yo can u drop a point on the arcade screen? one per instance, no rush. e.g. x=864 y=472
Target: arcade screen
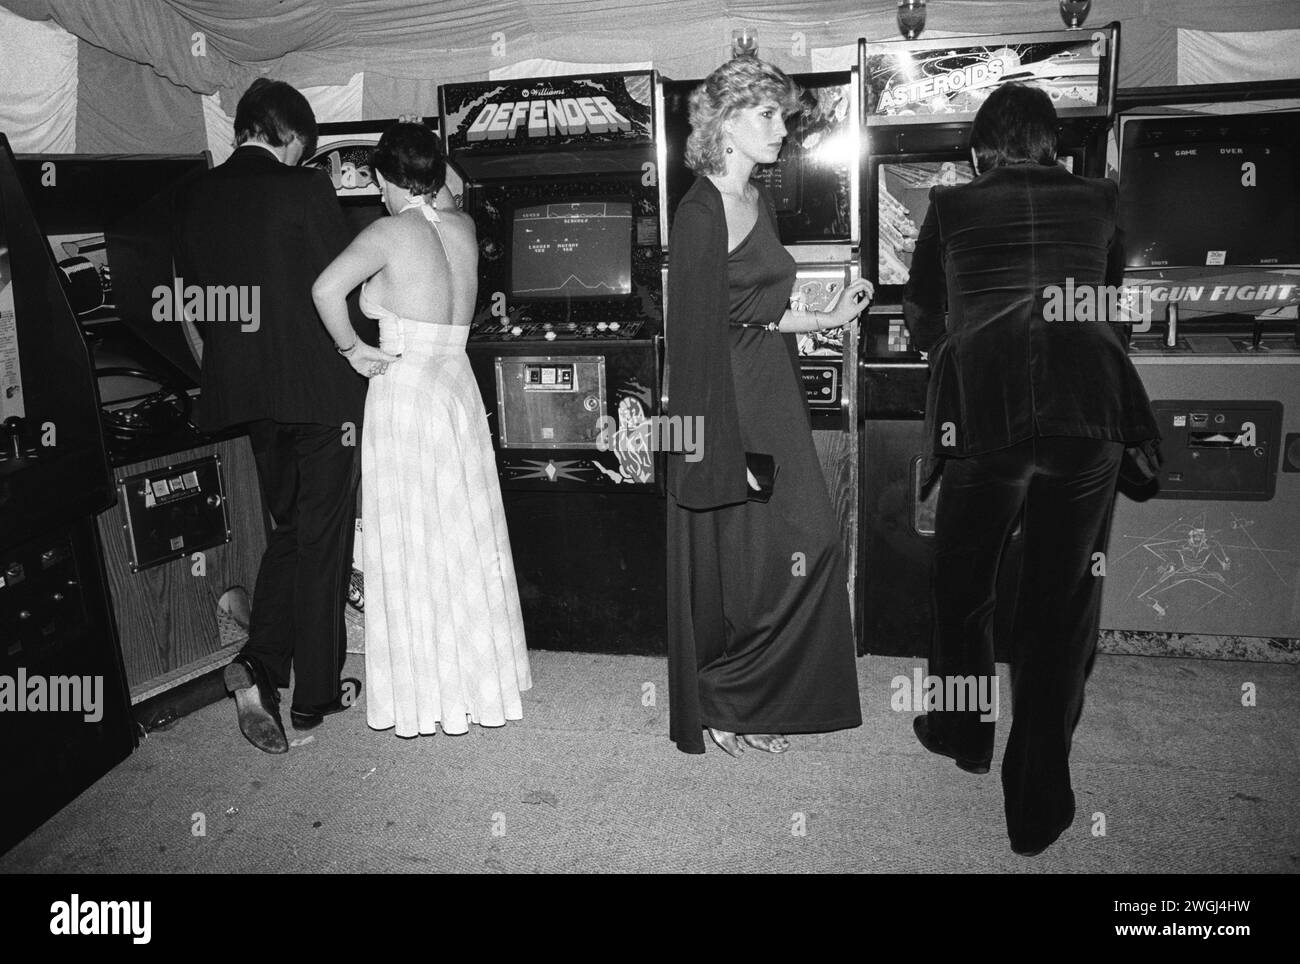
x=813 y=182
x=572 y=250
x=78 y=200
x=902 y=201
x=1211 y=190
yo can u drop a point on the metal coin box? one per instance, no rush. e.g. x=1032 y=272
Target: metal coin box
x=173 y=511
x=550 y=402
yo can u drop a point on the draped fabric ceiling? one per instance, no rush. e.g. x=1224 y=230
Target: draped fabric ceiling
x=142 y=64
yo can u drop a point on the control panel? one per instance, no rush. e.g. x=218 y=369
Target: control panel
x=520 y=327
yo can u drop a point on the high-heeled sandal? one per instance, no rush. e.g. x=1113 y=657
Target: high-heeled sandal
x=767 y=742
x=726 y=742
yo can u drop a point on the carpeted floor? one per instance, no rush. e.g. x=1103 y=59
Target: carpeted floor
x=1167 y=762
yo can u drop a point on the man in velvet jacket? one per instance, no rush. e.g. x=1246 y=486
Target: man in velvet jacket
x=260 y=220
x=1028 y=419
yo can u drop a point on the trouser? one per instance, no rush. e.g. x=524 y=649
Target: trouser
x=309 y=483
x=1062 y=490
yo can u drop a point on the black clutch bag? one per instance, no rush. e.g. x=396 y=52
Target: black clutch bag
x=763 y=468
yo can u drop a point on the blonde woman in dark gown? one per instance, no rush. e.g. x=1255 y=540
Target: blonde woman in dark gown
x=759 y=639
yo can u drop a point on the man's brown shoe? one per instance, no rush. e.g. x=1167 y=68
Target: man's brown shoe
x=258 y=705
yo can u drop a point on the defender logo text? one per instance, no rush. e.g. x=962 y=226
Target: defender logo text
x=545 y=118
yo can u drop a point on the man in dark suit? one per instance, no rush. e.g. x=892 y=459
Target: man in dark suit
x=1031 y=404
x=268 y=227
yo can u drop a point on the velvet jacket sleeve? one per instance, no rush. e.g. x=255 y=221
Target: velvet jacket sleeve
x=926 y=295
x=1115 y=256
x=325 y=236
x=925 y=307
x=698 y=368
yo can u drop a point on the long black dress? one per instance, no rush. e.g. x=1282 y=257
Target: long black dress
x=759 y=635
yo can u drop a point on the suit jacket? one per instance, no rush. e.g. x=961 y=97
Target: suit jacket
x=698 y=376
x=1000 y=372
x=253 y=221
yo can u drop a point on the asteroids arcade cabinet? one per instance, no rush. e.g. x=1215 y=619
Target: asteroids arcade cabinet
x=561 y=178
x=920 y=98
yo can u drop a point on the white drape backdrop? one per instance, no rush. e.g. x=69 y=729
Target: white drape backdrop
x=329 y=104
x=1206 y=57
x=38 y=85
x=135 y=75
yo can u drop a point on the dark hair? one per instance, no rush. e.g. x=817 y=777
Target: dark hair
x=1015 y=125
x=272 y=111
x=411 y=157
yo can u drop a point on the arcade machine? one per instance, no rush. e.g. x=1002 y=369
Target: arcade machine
x=1210 y=204
x=920 y=98
x=562 y=180
x=814 y=186
x=64 y=708
x=182 y=545
x=343 y=150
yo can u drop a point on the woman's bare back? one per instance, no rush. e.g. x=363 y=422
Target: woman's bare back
x=432 y=269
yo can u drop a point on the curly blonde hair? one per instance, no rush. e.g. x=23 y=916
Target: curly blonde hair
x=739 y=83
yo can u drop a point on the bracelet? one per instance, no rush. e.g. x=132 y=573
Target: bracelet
x=350 y=349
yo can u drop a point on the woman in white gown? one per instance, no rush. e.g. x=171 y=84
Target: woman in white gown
x=444 y=636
